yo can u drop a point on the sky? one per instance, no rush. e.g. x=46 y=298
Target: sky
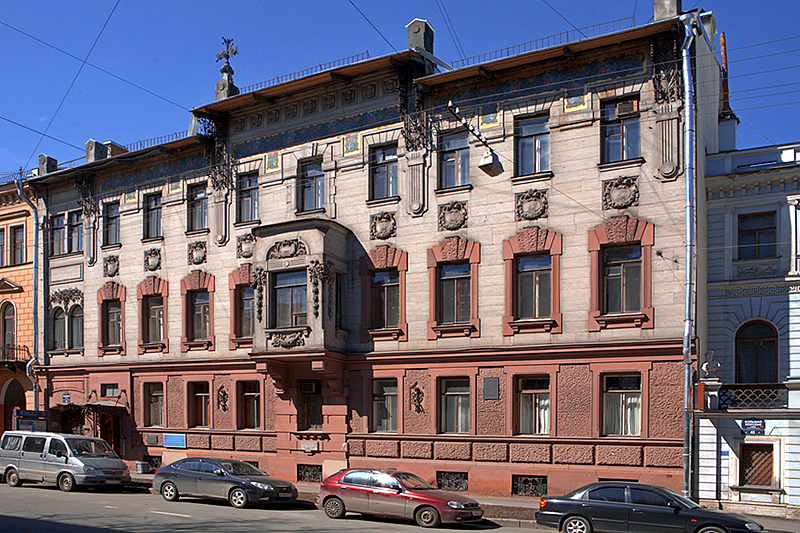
x=149 y=62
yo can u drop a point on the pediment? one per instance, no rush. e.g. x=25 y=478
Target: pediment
x=8 y=286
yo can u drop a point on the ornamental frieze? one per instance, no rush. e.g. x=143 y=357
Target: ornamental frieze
x=531 y=204
x=152 y=259
x=382 y=226
x=65 y=297
x=453 y=216
x=286 y=249
x=289 y=339
x=197 y=253
x=319 y=273
x=620 y=193
x=245 y=244
x=110 y=266
x=258 y=284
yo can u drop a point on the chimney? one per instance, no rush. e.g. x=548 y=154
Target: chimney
x=420 y=35
x=114 y=148
x=95 y=151
x=666 y=9
x=47 y=164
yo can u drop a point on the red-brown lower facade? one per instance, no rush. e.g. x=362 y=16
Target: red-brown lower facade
x=511 y=421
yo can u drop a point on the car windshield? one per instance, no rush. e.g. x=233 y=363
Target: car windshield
x=410 y=481
x=84 y=447
x=242 y=469
x=685 y=501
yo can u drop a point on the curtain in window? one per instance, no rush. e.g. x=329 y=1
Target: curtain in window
x=632 y=411
x=543 y=414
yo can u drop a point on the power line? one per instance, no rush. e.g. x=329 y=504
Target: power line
x=450 y=29
x=40 y=133
x=373 y=25
x=73 y=82
x=93 y=66
x=565 y=19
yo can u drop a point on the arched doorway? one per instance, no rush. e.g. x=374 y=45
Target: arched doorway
x=14 y=397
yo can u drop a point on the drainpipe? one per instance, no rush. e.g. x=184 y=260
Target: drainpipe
x=35 y=359
x=688 y=106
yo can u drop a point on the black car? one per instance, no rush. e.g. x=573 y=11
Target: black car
x=635 y=508
x=236 y=481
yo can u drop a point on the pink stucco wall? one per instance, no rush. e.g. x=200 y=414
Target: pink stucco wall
x=574 y=410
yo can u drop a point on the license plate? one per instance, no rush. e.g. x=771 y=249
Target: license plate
x=113 y=482
x=477 y=513
x=284 y=495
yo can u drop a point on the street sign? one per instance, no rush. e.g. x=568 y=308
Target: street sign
x=753 y=426
x=65 y=398
x=174 y=440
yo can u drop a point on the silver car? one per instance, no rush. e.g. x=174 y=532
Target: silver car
x=67 y=460
x=226 y=479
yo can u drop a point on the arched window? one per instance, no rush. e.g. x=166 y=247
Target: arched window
x=757 y=353
x=76 y=327
x=59 y=329
x=9 y=326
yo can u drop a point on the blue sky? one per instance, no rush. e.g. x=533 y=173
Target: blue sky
x=168 y=49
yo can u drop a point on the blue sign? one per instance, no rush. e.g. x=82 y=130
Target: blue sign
x=65 y=398
x=174 y=440
x=753 y=426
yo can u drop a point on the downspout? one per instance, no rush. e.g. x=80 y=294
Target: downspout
x=688 y=106
x=35 y=359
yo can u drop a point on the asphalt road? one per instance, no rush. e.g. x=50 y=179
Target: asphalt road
x=45 y=509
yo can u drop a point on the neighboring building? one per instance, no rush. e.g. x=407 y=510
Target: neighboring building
x=334 y=271
x=16 y=301
x=749 y=426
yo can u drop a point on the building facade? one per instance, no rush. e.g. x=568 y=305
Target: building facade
x=341 y=269
x=747 y=430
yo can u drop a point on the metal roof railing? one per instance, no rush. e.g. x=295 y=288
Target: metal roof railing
x=307 y=72
x=155 y=141
x=562 y=38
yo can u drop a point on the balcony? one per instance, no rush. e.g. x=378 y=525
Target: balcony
x=754 y=396
x=14 y=353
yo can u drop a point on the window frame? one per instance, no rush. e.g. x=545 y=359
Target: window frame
x=275 y=289
x=757 y=232
x=6 y=334
x=606 y=393
x=304 y=423
x=248 y=403
x=775 y=338
x=111 y=224
x=443 y=395
x=109 y=293
x=18 y=246
x=619 y=231
x=247 y=196
x=197 y=281
x=152 y=216
x=239 y=280
x=63 y=227
x=534 y=393
x=152 y=287
x=379 y=403
x=383 y=258
x=304 y=177
x=627 y=270
x=537 y=136
x=147 y=411
x=625 y=123
x=460 y=156
x=384 y=167
x=453 y=250
x=197 y=207
x=199 y=404
x=527 y=242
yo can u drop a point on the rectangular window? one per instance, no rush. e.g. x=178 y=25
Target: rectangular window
x=453 y=160
x=310 y=405
x=533 y=396
x=249 y=398
x=384 y=405
x=199 y=302
x=385 y=299
x=533 y=287
x=111 y=224
x=59 y=332
x=18 y=245
x=622 y=279
x=75 y=231
x=454 y=402
x=622 y=405
x=311 y=192
x=75 y=327
x=155 y=318
x=2 y=247
x=198 y=207
x=113 y=322
x=58 y=235
x=455 y=293
x=247 y=198
x=757 y=236
x=246 y=307
x=532 y=145
x=619 y=125
x=383 y=172
x=199 y=403
x=109 y=390
x=152 y=216
x=289 y=299
x=756 y=468
x=154 y=406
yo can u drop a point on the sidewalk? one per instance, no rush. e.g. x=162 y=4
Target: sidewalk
x=507 y=512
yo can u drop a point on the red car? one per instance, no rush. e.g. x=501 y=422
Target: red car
x=394 y=493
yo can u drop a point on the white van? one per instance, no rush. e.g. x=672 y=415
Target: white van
x=67 y=460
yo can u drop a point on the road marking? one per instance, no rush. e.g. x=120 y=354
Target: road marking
x=111 y=507
x=172 y=514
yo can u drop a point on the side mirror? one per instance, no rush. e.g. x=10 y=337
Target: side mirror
x=399 y=489
x=219 y=472
x=59 y=453
x=674 y=505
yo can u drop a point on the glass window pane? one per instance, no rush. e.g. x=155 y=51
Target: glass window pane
x=633 y=287
x=543 y=413
x=543 y=294
x=631 y=138
x=542 y=153
x=448 y=302
x=526 y=414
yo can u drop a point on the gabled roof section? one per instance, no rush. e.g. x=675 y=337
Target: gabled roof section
x=7 y=286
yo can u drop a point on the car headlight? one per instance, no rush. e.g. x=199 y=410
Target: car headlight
x=262 y=486
x=754 y=526
x=90 y=470
x=455 y=505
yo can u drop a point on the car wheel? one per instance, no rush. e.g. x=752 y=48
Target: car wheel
x=169 y=491
x=66 y=482
x=238 y=498
x=577 y=524
x=427 y=517
x=711 y=529
x=334 y=508
x=12 y=478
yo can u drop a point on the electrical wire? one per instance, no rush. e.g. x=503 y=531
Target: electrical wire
x=450 y=30
x=565 y=19
x=41 y=133
x=373 y=26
